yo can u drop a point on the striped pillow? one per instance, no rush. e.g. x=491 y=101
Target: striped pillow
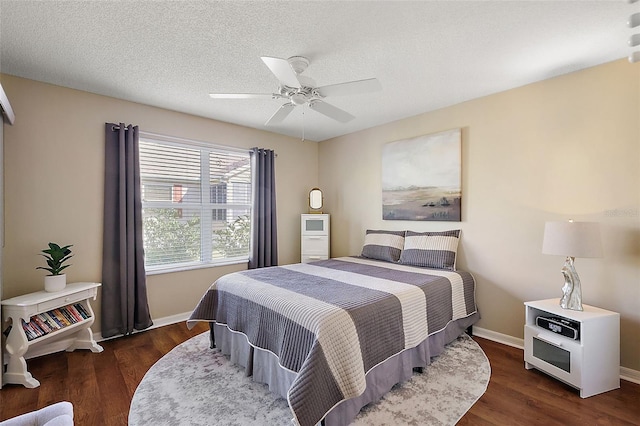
x=431 y=249
x=383 y=245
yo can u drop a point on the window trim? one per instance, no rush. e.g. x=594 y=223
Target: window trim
x=192 y=266
x=205 y=188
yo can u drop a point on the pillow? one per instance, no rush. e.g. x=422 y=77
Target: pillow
x=431 y=249
x=383 y=245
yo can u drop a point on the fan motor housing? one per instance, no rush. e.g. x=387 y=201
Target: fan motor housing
x=299 y=98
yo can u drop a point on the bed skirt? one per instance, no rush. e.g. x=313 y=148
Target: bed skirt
x=264 y=367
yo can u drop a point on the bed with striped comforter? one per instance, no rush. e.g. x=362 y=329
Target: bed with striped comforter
x=332 y=321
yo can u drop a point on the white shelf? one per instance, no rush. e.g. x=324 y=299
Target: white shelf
x=77 y=335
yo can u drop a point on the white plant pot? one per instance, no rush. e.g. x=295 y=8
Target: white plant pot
x=54 y=283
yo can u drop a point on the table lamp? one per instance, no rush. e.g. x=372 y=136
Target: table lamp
x=572 y=239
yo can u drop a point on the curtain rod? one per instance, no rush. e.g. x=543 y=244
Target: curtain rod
x=166 y=138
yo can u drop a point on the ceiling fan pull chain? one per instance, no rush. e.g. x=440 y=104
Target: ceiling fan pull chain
x=303 y=107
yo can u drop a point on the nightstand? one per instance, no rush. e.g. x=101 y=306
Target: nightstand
x=587 y=359
x=314 y=242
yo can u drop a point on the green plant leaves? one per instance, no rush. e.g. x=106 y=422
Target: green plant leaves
x=56 y=256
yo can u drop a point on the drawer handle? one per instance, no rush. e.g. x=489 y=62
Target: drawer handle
x=551 y=340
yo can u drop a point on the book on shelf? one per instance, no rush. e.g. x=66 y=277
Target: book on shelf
x=29 y=331
x=74 y=312
x=55 y=319
x=49 y=320
x=67 y=316
x=82 y=310
x=36 y=329
x=62 y=317
x=41 y=325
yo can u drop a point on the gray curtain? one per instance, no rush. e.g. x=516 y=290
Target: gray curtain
x=264 y=245
x=124 y=287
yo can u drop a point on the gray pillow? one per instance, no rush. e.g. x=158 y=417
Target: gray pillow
x=383 y=245
x=431 y=249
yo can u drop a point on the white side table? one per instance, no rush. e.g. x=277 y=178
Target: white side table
x=72 y=333
x=315 y=237
x=590 y=362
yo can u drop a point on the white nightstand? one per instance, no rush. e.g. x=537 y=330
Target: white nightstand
x=314 y=242
x=67 y=317
x=590 y=362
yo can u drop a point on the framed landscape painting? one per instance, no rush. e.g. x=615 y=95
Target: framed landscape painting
x=422 y=178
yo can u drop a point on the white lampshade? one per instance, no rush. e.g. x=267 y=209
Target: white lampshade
x=574 y=239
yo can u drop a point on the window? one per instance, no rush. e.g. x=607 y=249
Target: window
x=196 y=204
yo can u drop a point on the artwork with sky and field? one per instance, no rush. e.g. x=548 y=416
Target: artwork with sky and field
x=422 y=178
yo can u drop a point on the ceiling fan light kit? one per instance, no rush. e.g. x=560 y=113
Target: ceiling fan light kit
x=299 y=90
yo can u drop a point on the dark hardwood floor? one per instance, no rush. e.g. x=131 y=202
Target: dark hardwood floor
x=101 y=386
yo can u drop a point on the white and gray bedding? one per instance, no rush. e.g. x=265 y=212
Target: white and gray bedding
x=331 y=322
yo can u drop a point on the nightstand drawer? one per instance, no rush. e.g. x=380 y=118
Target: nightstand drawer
x=314 y=257
x=64 y=300
x=314 y=245
x=554 y=354
x=315 y=224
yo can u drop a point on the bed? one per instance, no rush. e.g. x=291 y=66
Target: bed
x=332 y=336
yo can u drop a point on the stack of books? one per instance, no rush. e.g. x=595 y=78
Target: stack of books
x=53 y=320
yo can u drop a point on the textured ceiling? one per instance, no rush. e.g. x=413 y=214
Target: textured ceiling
x=426 y=54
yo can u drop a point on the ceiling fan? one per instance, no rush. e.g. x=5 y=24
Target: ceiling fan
x=298 y=90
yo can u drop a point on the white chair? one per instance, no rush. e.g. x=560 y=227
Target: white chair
x=58 y=414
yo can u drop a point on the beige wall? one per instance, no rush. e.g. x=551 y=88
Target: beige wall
x=564 y=148
x=54 y=177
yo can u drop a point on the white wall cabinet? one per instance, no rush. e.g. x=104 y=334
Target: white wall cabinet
x=590 y=362
x=315 y=237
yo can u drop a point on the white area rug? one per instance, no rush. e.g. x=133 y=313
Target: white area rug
x=195 y=385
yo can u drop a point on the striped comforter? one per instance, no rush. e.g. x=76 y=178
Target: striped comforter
x=332 y=321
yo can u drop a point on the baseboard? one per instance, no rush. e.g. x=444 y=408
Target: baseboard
x=630 y=375
x=498 y=337
x=625 y=373
x=157 y=322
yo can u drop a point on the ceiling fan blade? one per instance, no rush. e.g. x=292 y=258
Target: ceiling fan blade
x=245 y=95
x=331 y=111
x=350 y=88
x=280 y=114
x=282 y=70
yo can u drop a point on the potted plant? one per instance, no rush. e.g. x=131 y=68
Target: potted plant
x=55 y=256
